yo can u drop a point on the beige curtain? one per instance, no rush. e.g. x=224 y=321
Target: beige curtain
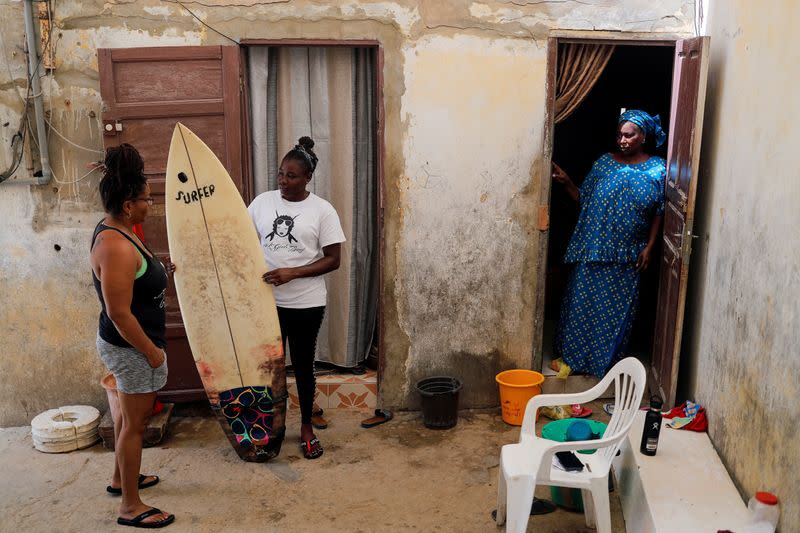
x=327 y=93
x=579 y=68
x=315 y=98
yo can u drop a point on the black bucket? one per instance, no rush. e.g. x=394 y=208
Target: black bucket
x=439 y=401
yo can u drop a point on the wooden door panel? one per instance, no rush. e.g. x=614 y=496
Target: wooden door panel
x=152 y=135
x=686 y=118
x=145 y=92
x=673 y=226
x=668 y=296
x=150 y=81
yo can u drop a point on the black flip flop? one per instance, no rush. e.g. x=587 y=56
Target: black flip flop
x=142 y=485
x=381 y=416
x=538 y=506
x=137 y=520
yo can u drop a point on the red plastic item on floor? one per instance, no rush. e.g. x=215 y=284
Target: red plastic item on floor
x=698 y=423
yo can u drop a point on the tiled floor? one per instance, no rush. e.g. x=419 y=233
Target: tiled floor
x=341 y=391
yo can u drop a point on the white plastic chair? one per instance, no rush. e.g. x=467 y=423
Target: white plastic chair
x=530 y=461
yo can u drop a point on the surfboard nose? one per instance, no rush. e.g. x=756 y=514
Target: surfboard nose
x=177 y=136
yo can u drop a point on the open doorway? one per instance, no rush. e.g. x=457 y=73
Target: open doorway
x=328 y=91
x=637 y=76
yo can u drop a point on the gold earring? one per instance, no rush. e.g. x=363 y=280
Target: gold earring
x=128 y=214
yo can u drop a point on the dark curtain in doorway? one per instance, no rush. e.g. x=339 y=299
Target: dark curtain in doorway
x=579 y=67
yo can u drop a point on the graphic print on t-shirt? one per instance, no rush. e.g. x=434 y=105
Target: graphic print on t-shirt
x=282 y=227
x=281 y=238
x=313 y=224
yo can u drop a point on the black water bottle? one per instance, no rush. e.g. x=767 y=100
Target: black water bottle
x=652 y=427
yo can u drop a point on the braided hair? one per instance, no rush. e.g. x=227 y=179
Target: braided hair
x=304 y=153
x=123 y=177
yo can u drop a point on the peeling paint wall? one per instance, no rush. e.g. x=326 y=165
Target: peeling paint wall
x=469 y=145
x=464 y=103
x=741 y=344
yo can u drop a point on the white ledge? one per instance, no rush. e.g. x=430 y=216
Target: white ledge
x=684 y=487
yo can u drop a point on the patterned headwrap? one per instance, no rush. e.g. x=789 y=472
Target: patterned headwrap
x=650 y=126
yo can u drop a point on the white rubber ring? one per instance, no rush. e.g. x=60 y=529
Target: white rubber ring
x=65 y=429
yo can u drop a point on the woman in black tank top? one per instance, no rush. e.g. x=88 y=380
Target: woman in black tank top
x=130 y=284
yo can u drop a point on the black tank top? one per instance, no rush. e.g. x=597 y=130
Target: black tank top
x=147 y=304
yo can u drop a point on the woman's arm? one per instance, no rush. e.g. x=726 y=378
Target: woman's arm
x=327 y=263
x=643 y=260
x=117 y=263
x=569 y=186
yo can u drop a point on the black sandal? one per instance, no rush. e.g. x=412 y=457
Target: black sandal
x=137 y=521
x=311 y=448
x=381 y=416
x=539 y=506
x=142 y=485
x=316 y=418
x=317 y=422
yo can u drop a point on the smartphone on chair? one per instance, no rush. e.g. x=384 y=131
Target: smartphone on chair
x=569 y=461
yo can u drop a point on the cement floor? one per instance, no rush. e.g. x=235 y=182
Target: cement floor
x=399 y=476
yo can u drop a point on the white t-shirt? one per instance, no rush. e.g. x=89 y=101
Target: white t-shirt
x=293 y=234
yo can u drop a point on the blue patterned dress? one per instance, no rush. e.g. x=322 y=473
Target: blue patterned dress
x=618 y=203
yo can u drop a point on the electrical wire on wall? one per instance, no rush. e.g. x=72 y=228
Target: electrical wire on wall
x=25 y=125
x=19 y=136
x=201 y=21
x=18 y=140
x=52 y=129
x=17 y=146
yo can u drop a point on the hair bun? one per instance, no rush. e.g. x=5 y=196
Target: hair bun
x=306 y=142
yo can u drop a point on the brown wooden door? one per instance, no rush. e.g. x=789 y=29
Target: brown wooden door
x=686 y=120
x=145 y=92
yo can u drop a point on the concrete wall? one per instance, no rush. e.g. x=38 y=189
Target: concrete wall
x=464 y=101
x=741 y=345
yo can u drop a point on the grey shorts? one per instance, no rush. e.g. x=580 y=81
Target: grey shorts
x=133 y=373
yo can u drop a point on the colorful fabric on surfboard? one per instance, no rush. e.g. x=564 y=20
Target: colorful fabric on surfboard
x=249 y=411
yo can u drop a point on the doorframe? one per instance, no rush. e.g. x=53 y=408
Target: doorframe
x=380 y=151
x=554 y=39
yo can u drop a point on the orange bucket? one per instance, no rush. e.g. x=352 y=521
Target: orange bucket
x=516 y=388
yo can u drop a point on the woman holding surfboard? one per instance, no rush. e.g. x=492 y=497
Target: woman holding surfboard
x=301 y=237
x=130 y=283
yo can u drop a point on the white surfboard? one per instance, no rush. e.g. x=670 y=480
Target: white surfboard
x=228 y=311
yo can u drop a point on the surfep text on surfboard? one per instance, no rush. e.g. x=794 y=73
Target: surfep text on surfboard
x=195 y=195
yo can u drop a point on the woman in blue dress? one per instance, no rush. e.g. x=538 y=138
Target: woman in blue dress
x=621 y=209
